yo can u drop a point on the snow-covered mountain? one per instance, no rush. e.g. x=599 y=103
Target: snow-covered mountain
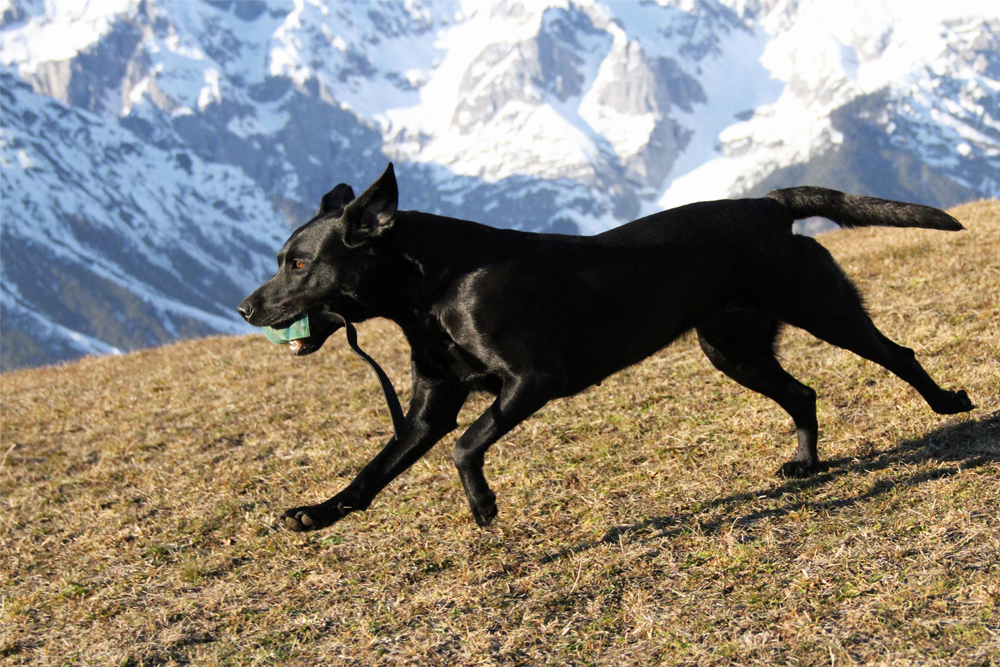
x=154 y=151
x=112 y=244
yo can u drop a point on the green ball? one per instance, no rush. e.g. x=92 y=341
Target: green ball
x=298 y=329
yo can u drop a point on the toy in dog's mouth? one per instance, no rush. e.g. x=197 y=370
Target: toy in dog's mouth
x=306 y=334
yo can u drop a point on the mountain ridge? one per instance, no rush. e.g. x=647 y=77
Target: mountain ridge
x=570 y=117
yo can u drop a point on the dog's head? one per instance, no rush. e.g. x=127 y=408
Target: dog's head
x=330 y=264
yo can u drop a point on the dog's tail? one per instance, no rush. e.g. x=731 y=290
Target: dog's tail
x=858 y=211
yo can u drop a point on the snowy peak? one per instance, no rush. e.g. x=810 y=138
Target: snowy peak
x=925 y=82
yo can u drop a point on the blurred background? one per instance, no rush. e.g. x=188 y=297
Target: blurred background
x=156 y=153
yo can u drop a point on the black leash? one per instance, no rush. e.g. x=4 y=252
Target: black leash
x=391 y=399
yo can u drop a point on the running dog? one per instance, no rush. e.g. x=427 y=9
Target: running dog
x=533 y=317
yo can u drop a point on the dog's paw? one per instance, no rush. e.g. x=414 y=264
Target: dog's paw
x=484 y=509
x=312 y=517
x=952 y=402
x=797 y=469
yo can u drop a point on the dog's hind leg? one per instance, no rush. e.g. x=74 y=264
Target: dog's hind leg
x=857 y=333
x=825 y=303
x=741 y=345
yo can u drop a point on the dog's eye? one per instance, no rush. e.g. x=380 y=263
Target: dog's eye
x=298 y=264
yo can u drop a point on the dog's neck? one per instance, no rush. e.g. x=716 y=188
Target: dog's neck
x=420 y=261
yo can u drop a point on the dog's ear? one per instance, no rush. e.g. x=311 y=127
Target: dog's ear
x=336 y=200
x=373 y=213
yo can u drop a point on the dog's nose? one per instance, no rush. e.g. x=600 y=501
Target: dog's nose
x=245 y=309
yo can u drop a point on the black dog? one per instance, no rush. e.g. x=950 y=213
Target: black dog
x=533 y=317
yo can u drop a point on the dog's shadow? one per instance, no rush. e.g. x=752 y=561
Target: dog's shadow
x=955 y=447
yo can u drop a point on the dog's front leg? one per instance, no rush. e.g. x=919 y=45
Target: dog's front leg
x=519 y=398
x=431 y=416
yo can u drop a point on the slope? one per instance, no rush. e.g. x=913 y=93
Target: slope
x=640 y=522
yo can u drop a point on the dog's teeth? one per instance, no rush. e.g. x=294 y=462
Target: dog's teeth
x=294 y=345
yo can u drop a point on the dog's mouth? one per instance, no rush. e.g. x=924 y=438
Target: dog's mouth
x=321 y=324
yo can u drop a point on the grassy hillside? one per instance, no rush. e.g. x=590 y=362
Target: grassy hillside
x=640 y=523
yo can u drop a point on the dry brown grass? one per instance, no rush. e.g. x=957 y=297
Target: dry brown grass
x=641 y=523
